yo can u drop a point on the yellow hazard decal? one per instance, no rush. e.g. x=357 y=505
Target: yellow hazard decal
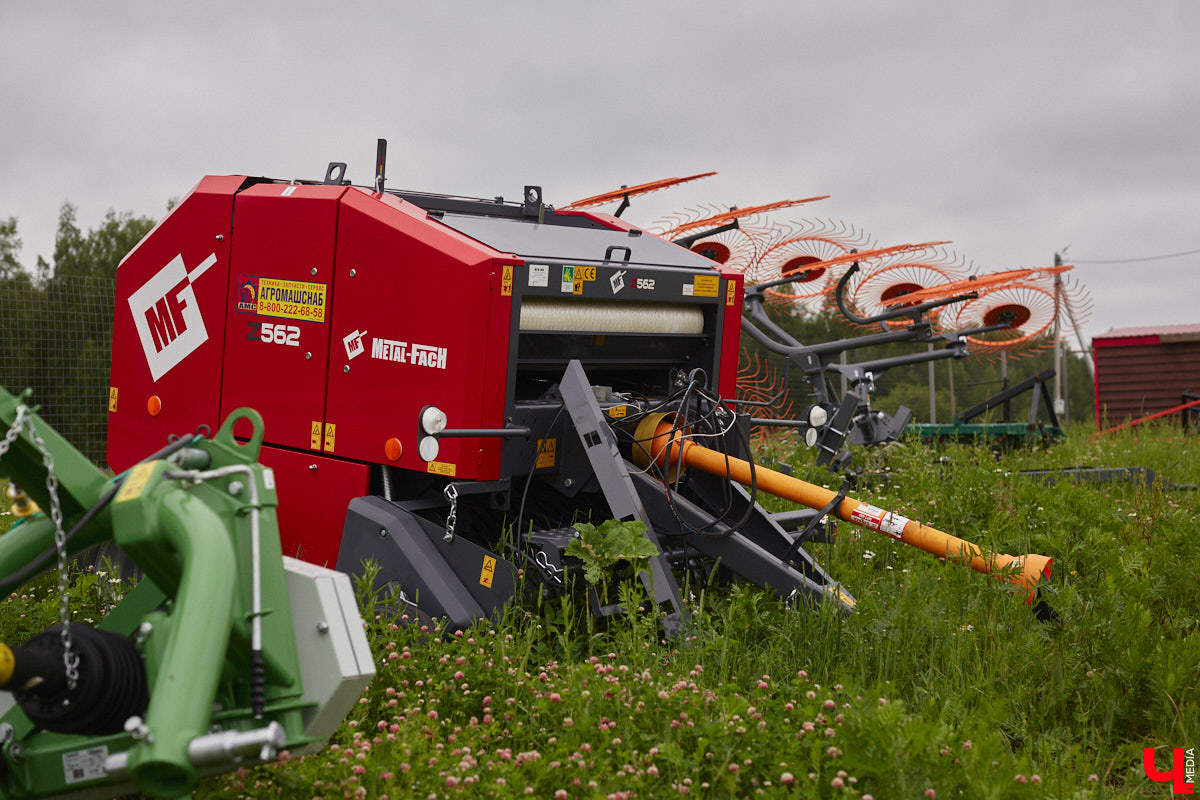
x=7 y=663
x=840 y=595
x=314 y=437
x=585 y=274
x=730 y=293
x=441 y=468
x=488 y=572
x=506 y=282
x=330 y=436
x=547 y=450
x=706 y=285
x=112 y=398
x=135 y=482
x=618 y=412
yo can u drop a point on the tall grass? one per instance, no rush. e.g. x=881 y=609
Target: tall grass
x=942 y=683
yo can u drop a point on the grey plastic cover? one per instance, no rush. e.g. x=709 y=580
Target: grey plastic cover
x=529 y=239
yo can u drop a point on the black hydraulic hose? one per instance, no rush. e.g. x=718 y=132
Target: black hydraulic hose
x=37 y=565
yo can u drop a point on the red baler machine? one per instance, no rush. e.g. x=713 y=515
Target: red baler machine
x=449 y=383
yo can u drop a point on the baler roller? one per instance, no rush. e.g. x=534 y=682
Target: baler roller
x=551 y=314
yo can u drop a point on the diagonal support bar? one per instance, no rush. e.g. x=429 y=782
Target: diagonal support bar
x=600 y=445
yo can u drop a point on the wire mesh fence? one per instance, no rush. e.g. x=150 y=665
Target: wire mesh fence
x=57 y=341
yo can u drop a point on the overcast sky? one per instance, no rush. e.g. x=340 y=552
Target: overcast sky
x=1012 y=129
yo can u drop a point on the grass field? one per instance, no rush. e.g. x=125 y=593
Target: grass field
x=942 y=684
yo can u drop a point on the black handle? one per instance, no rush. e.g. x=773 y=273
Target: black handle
x=612 y=248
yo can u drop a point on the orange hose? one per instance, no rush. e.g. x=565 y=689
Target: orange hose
x=1026 y=571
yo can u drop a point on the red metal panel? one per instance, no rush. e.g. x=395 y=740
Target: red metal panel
x=420 y=318
x=1125 y=341
x=495 y=374
x=731 y=334
x=169 y=325
x=314 y=492
x=280 y=293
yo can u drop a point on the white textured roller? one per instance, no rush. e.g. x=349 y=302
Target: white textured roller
x=590 y=316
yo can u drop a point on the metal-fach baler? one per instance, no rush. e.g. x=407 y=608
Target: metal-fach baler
x=448 y=384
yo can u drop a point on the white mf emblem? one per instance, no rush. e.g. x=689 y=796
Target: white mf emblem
x=168 y=321
x=354 y=343
x=617 y=281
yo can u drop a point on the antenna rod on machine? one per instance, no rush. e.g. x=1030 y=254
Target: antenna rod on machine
x=380 y=164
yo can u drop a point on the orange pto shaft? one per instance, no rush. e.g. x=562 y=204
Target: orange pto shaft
x=1026 y=571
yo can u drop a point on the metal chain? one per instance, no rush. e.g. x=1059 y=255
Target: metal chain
x=22 y=420
x=13 y=430
x=451 y=493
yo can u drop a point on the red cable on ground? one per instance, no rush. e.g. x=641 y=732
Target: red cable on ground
x=1133 y=422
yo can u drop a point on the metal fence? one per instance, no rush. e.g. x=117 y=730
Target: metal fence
x=56 y=340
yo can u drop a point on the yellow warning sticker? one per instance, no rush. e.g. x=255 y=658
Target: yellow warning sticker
x=441 y=468
x=135 y=482
x=112 y=398
x=488 y=572
x=330 y=436
x=506 y=282
x=707 y=285
x=730 y=293
x=577 y=288
x=618 y=412
x=585 y=274
x=314 y=438
x=840 y=595
x=7 y=664
x=547 y=450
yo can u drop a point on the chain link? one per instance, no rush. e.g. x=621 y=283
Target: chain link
x=451 y=493
x=23 y=420
x=13 y=430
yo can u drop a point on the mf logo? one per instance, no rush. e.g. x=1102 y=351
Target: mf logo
x=354 y=344
x=1183 y=769
x=167 y=318
x=617 y=280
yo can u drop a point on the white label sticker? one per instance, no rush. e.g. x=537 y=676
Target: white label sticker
x=167 y=318
x=269 y=478
x=539 y=275
x=893 y=524
x=84 y=765
x=688 y=290
x=867 y=515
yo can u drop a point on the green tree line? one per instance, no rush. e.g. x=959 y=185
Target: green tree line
x=56 y=321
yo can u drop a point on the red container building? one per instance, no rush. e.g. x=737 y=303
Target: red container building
x=1141 y=371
